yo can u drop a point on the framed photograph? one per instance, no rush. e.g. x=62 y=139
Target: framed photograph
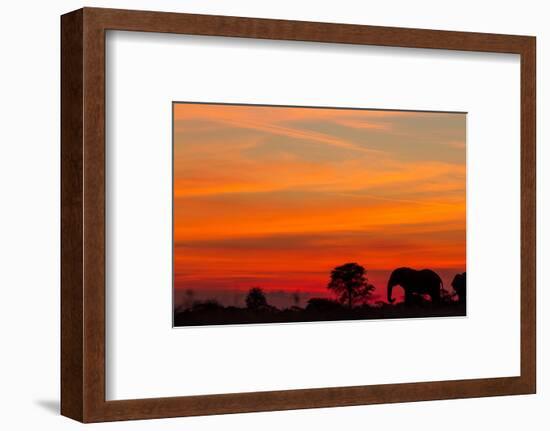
x=298 y=214
x=267 y=215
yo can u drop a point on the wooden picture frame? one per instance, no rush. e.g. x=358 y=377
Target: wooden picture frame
x=83 y=214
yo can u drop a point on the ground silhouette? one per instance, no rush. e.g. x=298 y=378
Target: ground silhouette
x=424 y=297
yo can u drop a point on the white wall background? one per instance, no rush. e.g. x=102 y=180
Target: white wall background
x=486 y=86
x=29 y=221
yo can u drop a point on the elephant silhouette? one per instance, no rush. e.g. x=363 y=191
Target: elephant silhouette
x=416 y=283
x=459 y=285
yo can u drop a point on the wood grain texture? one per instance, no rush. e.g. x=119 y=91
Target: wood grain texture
x=83 y=214
x=94 y=216
x=72 y=304
x=528 y=216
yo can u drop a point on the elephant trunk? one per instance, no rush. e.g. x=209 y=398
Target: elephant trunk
x=390 y=287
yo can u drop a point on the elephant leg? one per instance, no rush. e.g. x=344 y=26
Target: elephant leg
x=436 y=296
x=409 y=297
x=461 y=296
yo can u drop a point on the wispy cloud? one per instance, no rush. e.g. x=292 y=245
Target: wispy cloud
x=295 y=191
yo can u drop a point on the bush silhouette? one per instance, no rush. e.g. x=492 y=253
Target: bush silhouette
x=323 y=305
x=208 y=305
x=256 y=299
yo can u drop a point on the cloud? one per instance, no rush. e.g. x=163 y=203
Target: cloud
x=277 y=124
x=457 y=144
x=246 y=176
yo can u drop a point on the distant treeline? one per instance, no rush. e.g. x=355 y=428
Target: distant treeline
x=424 y=297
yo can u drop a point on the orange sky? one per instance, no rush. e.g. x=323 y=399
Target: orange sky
x=276 y=197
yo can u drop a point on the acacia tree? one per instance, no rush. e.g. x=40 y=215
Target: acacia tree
x=350 y=283
x=256 y=298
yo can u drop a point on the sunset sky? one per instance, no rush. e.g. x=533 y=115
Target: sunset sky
x=276 y=196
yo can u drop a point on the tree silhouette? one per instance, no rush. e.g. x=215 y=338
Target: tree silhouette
x=350 y=283
x=256 y=299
